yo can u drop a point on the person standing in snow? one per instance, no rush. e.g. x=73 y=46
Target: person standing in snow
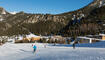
x=75 y=42
x=74 y=45
x=34 y=47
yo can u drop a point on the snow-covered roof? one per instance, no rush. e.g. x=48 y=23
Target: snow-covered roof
x=84 y=37
x=89 y=38
x=31 y=35
x=102 y=34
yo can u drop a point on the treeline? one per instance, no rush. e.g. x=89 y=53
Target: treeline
x=92 y=24
x=81 y=30
x=44 y=27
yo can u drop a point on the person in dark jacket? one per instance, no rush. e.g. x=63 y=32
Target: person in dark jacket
x=75 y=42
x=74 y=45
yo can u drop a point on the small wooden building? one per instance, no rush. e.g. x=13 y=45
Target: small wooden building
x=103 y=36
x=32 y=37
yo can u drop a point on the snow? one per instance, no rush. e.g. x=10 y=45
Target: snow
x=10 y=51
x=20 y=37
x=1 y=19
x=101 y=2
x=13 y=12
x=31 y=35
x=3 y=12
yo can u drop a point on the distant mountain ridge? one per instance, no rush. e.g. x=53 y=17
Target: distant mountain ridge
x=66 y=24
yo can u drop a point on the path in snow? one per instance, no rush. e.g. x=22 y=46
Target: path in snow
x=24 y=52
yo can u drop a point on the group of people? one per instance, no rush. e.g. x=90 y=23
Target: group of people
x=35 y=47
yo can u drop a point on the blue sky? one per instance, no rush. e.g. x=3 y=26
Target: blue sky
x=43 y=6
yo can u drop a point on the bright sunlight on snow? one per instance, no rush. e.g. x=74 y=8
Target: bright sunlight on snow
x=10 y=51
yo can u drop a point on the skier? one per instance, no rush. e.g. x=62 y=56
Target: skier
x=34 y=48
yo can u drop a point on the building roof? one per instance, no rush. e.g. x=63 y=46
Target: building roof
x=31 y=35
x=89 y=38
x=84 y=37
x=102 y=34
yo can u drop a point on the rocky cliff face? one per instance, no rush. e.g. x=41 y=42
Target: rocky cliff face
x=3 y=14
x=41 y=17
x=2 y=11
x=23 y=23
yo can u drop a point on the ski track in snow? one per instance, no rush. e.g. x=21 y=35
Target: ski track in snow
x=25 y=52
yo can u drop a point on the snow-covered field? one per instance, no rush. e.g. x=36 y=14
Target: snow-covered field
x=25 y=52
